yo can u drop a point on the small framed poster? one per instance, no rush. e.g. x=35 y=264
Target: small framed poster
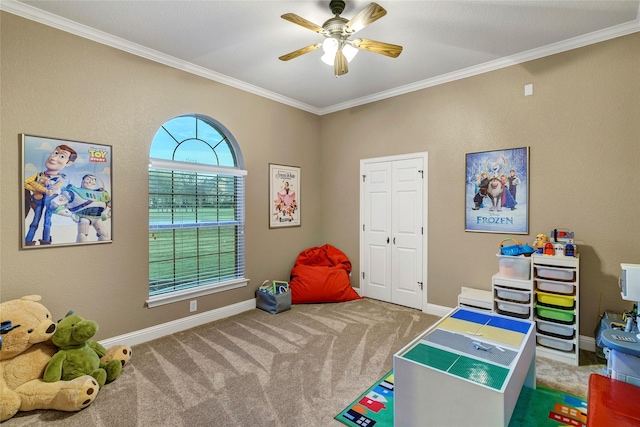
x=67 y=192
x=497 y=191
x=284 y=196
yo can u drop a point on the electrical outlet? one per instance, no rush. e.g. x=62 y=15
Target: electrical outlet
x=193 y=305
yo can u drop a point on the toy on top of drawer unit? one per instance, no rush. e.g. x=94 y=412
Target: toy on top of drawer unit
x=516 y=249
x=563 y=242
x=570 y=250
x=539 y=243
x=561 y=235
x=548 y=249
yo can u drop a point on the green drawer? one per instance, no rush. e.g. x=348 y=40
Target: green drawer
x=555 y=314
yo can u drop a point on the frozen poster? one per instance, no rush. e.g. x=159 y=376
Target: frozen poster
x=67 y=192
x=497 y=191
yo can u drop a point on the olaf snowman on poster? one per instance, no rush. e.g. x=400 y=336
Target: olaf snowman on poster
x=497 y=191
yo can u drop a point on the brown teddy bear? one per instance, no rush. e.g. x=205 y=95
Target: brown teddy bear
x=24 y=354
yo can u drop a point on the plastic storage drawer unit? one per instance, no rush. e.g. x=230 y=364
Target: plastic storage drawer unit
x=556 y=287
x=513 y=295
x=555 y=273
x=476 y=298
x=514 y=267
x=555 y=329
x=564 y=301
x=555 y=314
x=555 y=343
x=513 y=309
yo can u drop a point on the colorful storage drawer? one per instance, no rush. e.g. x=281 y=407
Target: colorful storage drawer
x=555 y=273
x=509 y=294
x=556 y=287
x=555 y=343
x=554 y=329
x=566 y=317
x=556 y=300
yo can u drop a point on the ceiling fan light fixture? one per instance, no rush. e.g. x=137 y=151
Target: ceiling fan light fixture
x=330 y=47
x=338 y=49
x=349 y=52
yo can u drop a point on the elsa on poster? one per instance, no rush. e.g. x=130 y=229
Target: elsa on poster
x=496 y=163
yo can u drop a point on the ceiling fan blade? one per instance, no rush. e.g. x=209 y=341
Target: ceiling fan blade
x=340 y=64
x=388 y=49
x=299 y=52
x=292 y=17
x=366 y=16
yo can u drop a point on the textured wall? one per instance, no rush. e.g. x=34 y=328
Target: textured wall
x=59 y=85
x=582 y=125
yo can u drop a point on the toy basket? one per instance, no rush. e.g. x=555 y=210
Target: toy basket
x=516 y=249
x=274 y=297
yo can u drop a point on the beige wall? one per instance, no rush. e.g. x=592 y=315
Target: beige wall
x=582 y=125
x=59 y=85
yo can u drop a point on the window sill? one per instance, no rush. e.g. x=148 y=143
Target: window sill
x=195 y=292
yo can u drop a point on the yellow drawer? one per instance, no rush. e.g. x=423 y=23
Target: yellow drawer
x=555 y=299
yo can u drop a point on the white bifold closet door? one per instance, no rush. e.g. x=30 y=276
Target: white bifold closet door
x=393 y=232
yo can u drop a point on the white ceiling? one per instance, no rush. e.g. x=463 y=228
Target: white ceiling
x=238 y=42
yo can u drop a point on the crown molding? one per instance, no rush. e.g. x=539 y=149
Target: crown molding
x=37 y=15
x=552 y=49
x=34 y=14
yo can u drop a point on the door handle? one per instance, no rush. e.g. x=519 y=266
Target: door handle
x=394 y=240
x=387 y=240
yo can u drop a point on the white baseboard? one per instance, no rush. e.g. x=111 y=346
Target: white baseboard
x=587 y=343
x=584 y=342
x=158 y=331
x=437 y=310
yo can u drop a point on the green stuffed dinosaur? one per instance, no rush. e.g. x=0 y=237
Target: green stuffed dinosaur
x=79 y=355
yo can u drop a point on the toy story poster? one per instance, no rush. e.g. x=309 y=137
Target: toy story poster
x=497 y=191
x=284 y=196
x=67 y=192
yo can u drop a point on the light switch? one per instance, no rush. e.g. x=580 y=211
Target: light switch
x=528 y=89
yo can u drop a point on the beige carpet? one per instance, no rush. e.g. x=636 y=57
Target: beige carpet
x=297 y=368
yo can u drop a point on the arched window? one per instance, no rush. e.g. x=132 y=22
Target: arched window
x=196 y=210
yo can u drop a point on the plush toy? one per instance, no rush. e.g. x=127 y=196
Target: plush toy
x=25 y=351
x=78 y=354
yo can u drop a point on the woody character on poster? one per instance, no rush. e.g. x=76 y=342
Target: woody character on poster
x=497 y=191
x=284 y=192
x=67 y=192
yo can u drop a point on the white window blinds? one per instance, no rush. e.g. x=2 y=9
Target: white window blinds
x=196 y=227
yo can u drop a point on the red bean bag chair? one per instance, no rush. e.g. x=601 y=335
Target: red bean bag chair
x=321 y=274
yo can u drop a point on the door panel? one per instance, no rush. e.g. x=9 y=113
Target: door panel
x=406 y=252
x=377 y=197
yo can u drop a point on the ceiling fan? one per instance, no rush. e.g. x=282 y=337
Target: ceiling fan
x=339 y=49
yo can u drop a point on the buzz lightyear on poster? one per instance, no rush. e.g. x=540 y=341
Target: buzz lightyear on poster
x=78 y=209
x=496 y=191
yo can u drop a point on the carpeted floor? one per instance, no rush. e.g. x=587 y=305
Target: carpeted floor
x=300 y=367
